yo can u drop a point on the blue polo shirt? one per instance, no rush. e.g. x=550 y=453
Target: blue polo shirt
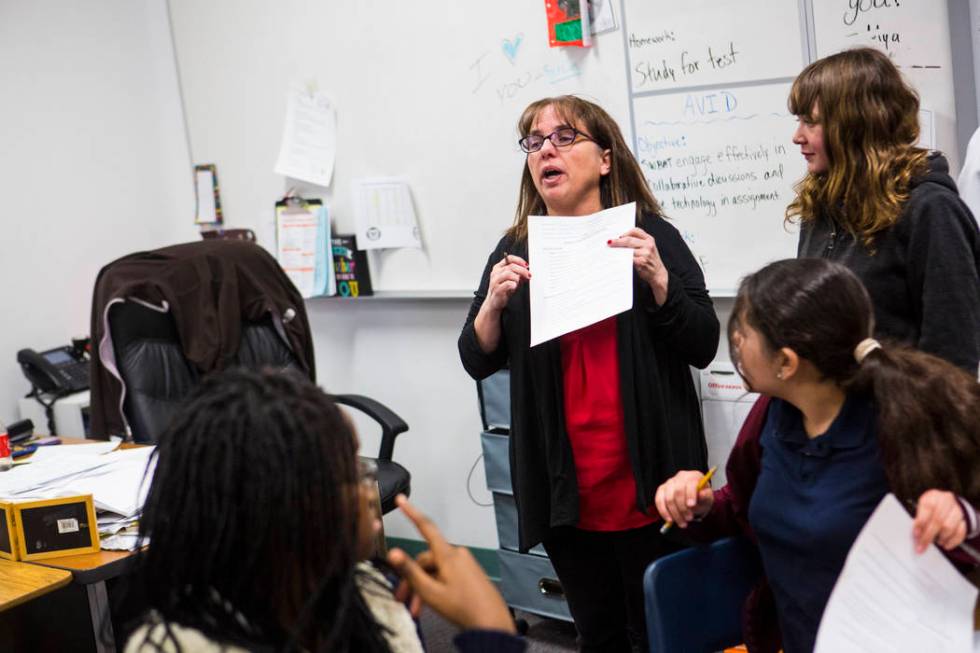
x=812 y=498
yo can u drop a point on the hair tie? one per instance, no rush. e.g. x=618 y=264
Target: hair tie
x=864 y=348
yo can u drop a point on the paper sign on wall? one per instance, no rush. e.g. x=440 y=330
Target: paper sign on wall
x=309 y=139
x=385 y=215
x=568 y=23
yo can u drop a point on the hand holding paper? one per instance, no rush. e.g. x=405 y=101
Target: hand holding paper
x=646 y=260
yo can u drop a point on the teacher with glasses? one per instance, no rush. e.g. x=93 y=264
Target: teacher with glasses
x=601 y=416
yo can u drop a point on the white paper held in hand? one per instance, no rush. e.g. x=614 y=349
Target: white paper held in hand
x=578 y=278
x=889 y=598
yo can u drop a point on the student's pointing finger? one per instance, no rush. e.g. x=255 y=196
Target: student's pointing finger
x=428 y=530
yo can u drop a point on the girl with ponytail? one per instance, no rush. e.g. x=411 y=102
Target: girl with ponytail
x=847 y=420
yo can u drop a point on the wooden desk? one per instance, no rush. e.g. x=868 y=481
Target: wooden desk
x=21 y=582
x=88 y=574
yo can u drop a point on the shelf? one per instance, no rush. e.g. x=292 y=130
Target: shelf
x=405 y=295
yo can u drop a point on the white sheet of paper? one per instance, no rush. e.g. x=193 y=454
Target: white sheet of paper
x=121 y=487
x=385 y=215
x=309 y=137
x=206 y=210
x=65 y=451
x=601 y=16
x=324 y=276
x=115 y=480
x=889 y=598
x=578 y=278
x=927 y=129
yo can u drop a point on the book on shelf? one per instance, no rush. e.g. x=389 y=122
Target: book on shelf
x=350 y=267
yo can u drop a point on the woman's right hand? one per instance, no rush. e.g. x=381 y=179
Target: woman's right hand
x=505 y=277
x=448 y=579
x=679 y=500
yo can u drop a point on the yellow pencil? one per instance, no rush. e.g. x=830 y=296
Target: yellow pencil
x=703 y=483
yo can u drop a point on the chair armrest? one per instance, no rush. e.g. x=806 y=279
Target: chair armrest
x=391 y=424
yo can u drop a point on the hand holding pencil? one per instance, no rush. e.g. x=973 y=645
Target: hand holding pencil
x=684 y=497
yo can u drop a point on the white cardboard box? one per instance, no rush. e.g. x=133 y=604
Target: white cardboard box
x=70 y=415
x=724 y=405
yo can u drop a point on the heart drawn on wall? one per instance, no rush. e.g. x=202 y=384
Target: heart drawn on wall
x=510 y=46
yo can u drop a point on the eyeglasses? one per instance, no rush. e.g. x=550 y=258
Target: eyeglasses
x=367 y=471
x=561 y=137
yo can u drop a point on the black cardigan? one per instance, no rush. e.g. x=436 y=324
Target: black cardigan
x=924 y=276
x=656 y=346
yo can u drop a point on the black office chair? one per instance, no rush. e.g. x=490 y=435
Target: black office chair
x=150 y=362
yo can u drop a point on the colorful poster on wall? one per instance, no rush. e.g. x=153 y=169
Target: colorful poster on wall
x=568 y=23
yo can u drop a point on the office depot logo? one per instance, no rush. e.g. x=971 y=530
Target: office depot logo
x=725 y=386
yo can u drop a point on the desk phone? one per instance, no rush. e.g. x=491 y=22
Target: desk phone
x=62 y=370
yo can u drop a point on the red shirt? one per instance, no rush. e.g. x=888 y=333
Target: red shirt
x=594 y=422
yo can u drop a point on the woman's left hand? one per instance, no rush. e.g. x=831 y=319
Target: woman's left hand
x=646 y=260
x=939 y=518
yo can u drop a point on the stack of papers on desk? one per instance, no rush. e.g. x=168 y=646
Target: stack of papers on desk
x=118 y=480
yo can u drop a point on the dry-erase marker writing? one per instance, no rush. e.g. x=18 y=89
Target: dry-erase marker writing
x=703 y=483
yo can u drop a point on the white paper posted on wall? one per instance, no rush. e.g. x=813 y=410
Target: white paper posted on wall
x=309 y=139
x=385 y=214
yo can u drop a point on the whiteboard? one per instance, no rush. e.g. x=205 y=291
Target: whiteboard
x=722 y=166
x=699 y=42
x=915 y=35
x=431 y=91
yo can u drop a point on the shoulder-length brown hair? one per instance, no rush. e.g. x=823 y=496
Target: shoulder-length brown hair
x=870 y=120
x=625 y=182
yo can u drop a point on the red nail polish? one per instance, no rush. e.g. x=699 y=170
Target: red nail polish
x=609 y=242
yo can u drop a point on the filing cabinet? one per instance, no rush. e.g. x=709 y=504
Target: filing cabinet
x=527 y=581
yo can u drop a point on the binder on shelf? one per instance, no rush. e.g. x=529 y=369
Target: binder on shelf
x=350 y=267
x=303 y=244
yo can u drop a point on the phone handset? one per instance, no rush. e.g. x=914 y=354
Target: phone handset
x=61 y=371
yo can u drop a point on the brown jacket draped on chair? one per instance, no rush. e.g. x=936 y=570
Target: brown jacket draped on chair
x=210 y=288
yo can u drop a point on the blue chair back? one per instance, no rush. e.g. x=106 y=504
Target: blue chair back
x=694 y=597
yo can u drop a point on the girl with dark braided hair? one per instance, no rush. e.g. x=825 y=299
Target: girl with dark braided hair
x=844 y=420
x=257 y=524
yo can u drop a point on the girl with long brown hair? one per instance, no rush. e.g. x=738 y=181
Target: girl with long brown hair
x=884 y=207
x=602 y=415
x=844 y=420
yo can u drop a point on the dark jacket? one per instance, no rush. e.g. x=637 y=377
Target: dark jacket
x=729 y=516
x=924 y=276
x=661 y=411
x=211 y=287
